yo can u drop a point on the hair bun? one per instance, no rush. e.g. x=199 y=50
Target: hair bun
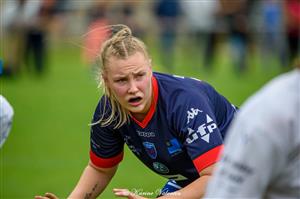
x=120 y=30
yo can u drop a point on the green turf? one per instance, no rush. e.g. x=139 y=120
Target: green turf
x=49 y=142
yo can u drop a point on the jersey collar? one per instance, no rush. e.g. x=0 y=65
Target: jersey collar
x=151 y=111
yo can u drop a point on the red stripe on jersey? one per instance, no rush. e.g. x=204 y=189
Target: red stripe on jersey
x=151 y=111
x=208 y=158
x=105 y=162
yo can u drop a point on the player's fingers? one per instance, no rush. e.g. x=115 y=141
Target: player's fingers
x=121 y=192
x=126 y=193
x=47 y=196
x=51 y=196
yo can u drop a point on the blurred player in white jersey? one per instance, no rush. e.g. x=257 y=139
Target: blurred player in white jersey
x=261 y=157
x=6 y=115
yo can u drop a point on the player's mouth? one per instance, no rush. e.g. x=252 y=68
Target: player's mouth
x=135 y=101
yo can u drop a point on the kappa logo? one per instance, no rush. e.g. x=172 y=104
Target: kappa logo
x=204 y=130
x=192 y=113
x=146 y=134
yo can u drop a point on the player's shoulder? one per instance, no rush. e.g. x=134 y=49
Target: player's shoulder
x=276 y=102
x=6 y=108
x=103 y=108
x=181 y=96
x=279 y=93
x=180 y=87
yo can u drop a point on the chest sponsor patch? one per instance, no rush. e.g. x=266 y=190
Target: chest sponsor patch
x=150 y=149
x=174 y=147
x=160 y=168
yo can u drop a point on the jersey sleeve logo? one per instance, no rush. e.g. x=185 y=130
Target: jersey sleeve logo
x=192 y=113
x=203 y=131
x=150 y=149
x=127 y=140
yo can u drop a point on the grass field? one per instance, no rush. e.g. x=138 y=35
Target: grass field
x=49 y=142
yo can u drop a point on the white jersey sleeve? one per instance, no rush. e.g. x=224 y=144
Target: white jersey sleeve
x=6 y=115
x=261 y=158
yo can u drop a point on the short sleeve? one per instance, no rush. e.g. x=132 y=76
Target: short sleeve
x=197 y=125
x=106 y=143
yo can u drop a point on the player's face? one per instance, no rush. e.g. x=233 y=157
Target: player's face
x=130 y=81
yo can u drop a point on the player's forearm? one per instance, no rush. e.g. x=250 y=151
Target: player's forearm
x=92 y=182
x=195 y=190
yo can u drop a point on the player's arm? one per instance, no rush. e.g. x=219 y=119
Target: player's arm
x=93 y=181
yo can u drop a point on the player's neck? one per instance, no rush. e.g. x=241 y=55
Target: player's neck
x=139 y=116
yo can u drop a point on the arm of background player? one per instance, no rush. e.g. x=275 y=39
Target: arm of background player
x=91 y=184
x=195 y=190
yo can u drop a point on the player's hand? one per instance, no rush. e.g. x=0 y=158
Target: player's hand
x=47 y=196
x=126 y=193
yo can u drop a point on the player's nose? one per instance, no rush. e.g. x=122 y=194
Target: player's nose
x=132 y=87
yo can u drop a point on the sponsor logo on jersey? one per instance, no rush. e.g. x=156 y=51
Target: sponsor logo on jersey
x=127 y=138
x=192 y=113
x=145 y=134
x=203 y=131
x=135 y=150
x=160 y=168
x=150 y=149
x=94 y=144
x=174 y=147
x=131 y=146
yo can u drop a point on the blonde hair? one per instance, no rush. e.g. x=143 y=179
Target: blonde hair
x=121 y=45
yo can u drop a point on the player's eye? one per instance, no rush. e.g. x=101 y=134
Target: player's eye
x=140 y=75
x=120 y=80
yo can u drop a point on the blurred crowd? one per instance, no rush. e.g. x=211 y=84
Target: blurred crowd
x=271 y=27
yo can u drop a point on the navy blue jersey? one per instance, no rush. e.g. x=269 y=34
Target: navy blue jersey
x=181 y=134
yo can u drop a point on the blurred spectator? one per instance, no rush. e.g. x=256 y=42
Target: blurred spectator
x=25 y=25
x=37 y=28
x=200 y=16
x=128 y=16
x=292 y=15
x=6 y=116
x=167 y=13
x=13 y=18
x=273 y=32
x=97 y=31
x=235 y=15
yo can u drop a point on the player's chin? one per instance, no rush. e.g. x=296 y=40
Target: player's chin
x=136 y=109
